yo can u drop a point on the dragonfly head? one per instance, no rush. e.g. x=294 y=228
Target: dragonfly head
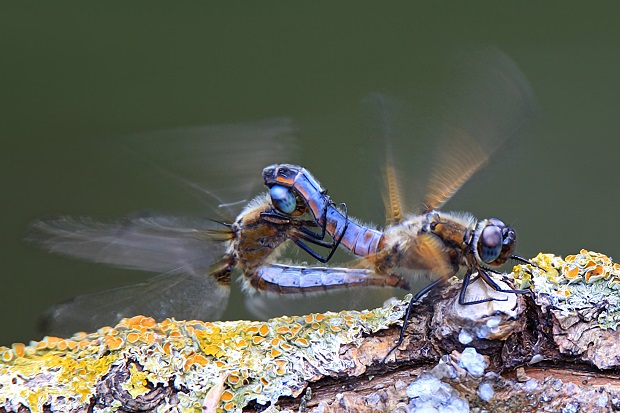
x=280 y=178
x=493 y=242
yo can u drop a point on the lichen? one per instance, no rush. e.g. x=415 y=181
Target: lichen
x=428 y=393
x=474 y=363
x=586 y=283
x=258 y=361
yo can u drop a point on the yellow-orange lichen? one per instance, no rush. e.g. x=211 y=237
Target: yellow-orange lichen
x=233 y=379
x=591 y=266
x=253 y=360
x=6 y=354
x=114 y=342
x=576 y=283
x=227 y=396
x=19 y=349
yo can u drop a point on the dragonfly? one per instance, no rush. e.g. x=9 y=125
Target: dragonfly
x=196 y=258
x=196 y=261
x=431 y=242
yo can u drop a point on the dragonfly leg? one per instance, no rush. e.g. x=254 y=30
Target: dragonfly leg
x=308 y=223
x=323 y=226
x=312 y=252
x=526 y=261
x=314 y=238
x=415 y=298
x=466 y=282
x=493 y=270
x=304 y=234
x=321 y=236
x=489 y=280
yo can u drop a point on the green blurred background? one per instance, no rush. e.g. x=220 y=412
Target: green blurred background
x=76 y=76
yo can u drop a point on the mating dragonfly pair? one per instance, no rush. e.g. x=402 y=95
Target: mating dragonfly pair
x=200 y=257
x=434 y=242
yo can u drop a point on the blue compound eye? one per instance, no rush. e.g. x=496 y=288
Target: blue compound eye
x=490 y=243
x=283 y=199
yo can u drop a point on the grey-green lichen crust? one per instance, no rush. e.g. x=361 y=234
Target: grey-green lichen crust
x=587 y=284
x=579 y=299
x=221 y=364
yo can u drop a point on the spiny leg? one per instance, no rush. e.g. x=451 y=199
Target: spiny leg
x=489 y=280
x=526 y=261
x=304 y=234
x=415 y=298
x=466 y=281
x=314 y=238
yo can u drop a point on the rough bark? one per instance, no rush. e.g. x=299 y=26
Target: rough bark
x=530 y=355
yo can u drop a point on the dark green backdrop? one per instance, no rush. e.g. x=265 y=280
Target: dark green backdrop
x=75 y=76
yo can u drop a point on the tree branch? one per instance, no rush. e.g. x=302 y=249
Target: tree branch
x=557 y=349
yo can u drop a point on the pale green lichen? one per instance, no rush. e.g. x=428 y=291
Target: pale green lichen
x=586 y=283
x=259 y=361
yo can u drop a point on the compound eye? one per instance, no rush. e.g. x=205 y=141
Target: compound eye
x=283 y=199
x=496 y=222
x=490 y=243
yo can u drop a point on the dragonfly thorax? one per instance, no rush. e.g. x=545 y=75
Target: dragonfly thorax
x=255 y=238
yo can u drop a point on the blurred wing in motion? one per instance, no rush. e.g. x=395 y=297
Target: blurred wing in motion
x=172 y=294
x=494 y=103
x=153 y=243
x=389 y=124
x=268 y=305
x=226 y=159
x=181 y=249
x=220 y=164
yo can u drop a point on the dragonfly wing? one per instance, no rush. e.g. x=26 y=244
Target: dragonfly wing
x=485 y=104
x=181 y=249
x=220 y=164
x=151 y=243
x=179 y=295
x=226 y=159
x=390 y=123
x=494 y=103
x=392 y=198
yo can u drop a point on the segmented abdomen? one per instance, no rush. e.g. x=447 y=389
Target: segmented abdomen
x=285 y=279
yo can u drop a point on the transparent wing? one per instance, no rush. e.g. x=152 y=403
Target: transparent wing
x=181 y=249
x=264 y=306
x=486 y=103
x=494 y=102
x=391 y=129
x=173 y=294
x=220 y=164
x=154 y=243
